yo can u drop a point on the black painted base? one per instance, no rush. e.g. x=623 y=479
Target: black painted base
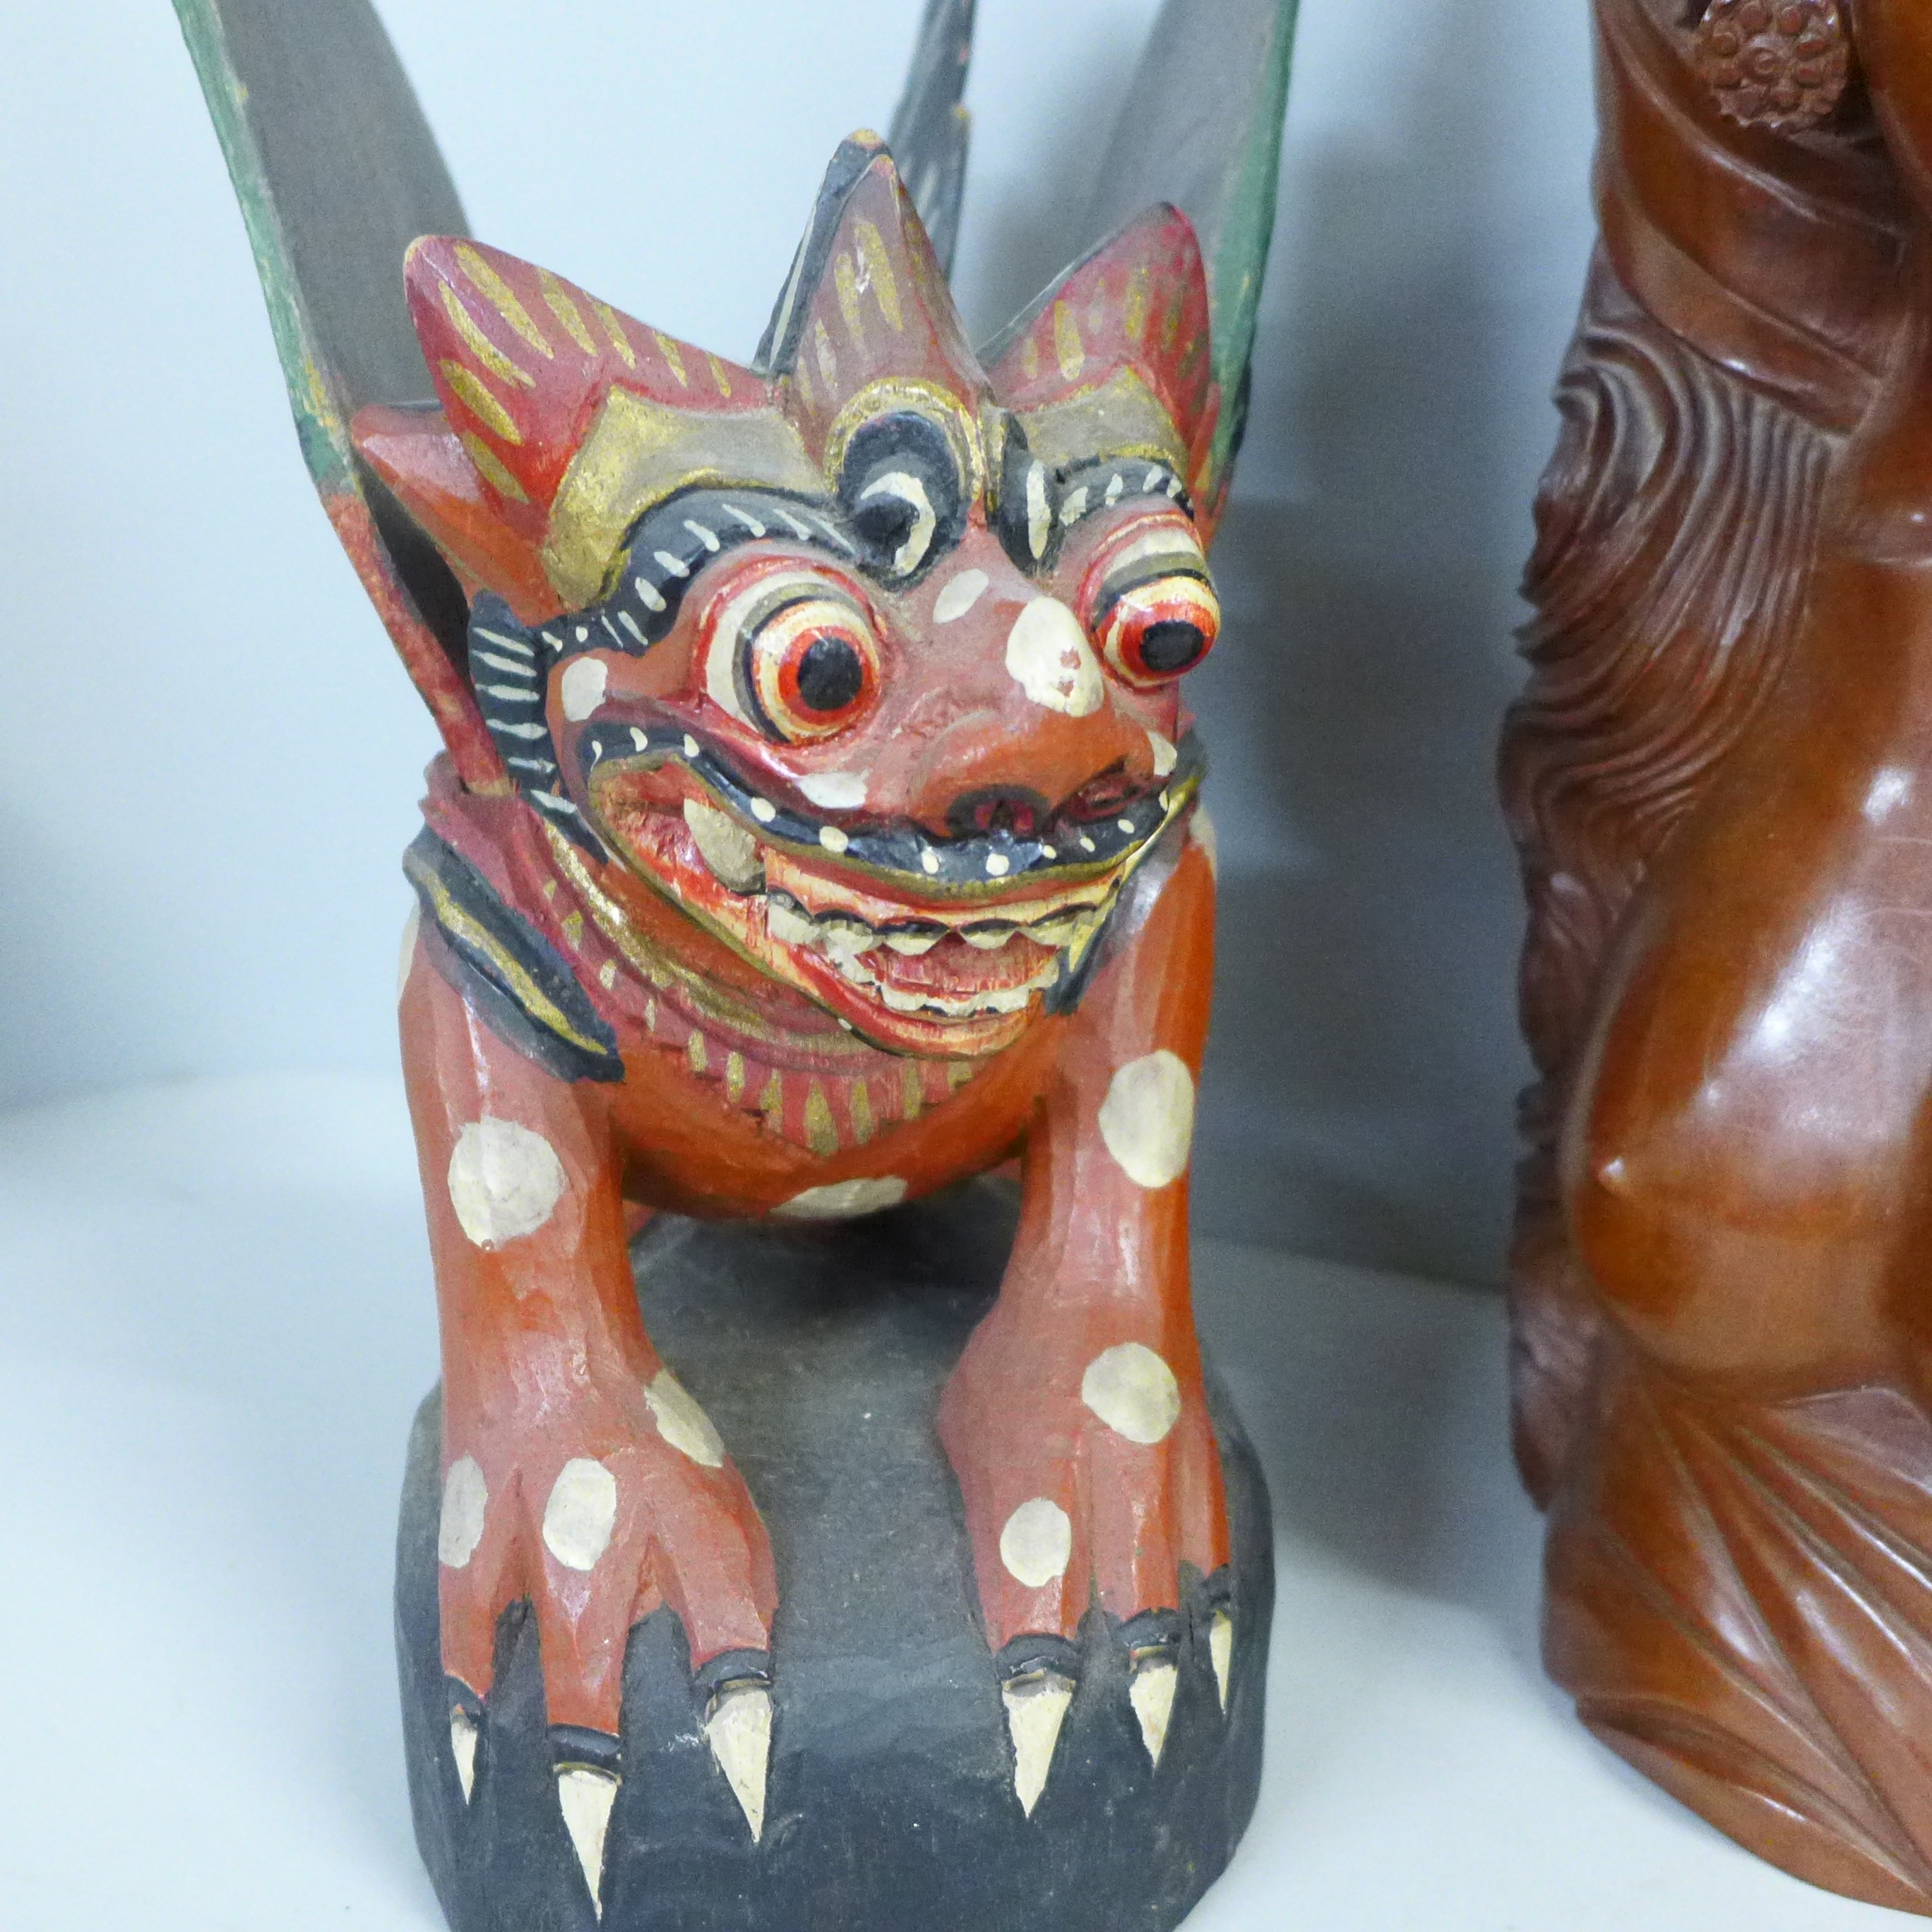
x=820 y=1354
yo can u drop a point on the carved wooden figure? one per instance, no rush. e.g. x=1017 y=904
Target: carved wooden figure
x=1720 y=777
x=818 y=828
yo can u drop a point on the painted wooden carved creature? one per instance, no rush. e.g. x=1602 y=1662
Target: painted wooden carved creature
x=1720 y=777
x=818 y=827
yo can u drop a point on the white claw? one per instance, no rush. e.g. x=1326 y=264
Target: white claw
x=463 y=1737
x=1036 y=1707
x=1221 y=1649
x=586 y=1797
x=739 y=1731
x=1152 y=1696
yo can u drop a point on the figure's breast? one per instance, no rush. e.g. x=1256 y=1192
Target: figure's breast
x=1775 y=243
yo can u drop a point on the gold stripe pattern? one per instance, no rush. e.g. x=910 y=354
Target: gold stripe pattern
x=503 y=367
x=673 y=356
x=459 y=924
x=879 y=272
x=502 y=298
x=614 y=328
x=718 y=377
x=1068 y=349
x=847 y=276
x=480 y=400
x=489 y=467
x=556 y=299
x=821 y=1131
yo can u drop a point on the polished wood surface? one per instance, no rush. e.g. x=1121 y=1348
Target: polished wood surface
x=1721 y=781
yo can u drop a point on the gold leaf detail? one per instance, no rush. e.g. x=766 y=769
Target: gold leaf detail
x=489 y=467
x=828 y=362
x=1135 y=313
x=1069 y=350
x=573 y=928
x=479 y=345
x=771 y=1103
x=480 y=400
x=885 y=290
x=821 y=1131
x=1029 y=358
x=607 y=974
x=672 y=354
x=694 y=1053
x=614 y=328
x=734 y=1078
x=502 y=298
x=847 y=276
x=912 y=1089
x=718 y=377
x=556 y=299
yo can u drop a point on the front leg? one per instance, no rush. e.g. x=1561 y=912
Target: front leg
x=1076 y=1420
x=578 y=1474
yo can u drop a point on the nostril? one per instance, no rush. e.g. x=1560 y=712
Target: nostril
x=999 y=808
x=1103 y=796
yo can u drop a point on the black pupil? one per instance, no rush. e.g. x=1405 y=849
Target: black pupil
x=1171 y=646
x=830 y=675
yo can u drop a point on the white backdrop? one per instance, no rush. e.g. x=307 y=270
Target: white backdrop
x=212 y=758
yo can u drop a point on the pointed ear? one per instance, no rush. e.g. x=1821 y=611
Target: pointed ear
x=1114 y=359
x=423 y=461
x=866 y=323
x=561 y=406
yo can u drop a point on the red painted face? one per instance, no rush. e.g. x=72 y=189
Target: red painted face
x=917 y=805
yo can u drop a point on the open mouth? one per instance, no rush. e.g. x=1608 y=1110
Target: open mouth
x=922 y=945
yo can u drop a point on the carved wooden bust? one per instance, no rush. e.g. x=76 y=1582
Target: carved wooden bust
x=1720 y=779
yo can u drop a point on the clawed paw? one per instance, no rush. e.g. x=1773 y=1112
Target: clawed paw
x=1090 y=1478
x=598 y=1515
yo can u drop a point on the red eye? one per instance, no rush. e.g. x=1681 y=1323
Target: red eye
x=810 y=667
x=1153 y=630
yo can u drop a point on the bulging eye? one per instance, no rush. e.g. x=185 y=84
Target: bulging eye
x=1151 y=631
x=795 y=656
x=810 y=668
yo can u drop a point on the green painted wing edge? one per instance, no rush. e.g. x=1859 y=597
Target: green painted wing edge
x=320 y=423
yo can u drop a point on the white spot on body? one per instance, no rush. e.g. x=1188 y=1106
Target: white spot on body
x=411 y=932
x=997 y=865
x=1037 y=1544
x=842 y=1200
x=1165 y=756
x=682 y=1423
x=581 y=1514
x=1221 y=1651
x=505 y=1181
x=690 y=747
x=1147 y=1119
x=929 y=860
x=465 y=1501
x=1047 y=654
x=1133 y=1391
x=764 y=810
x=582 y=687
x=835 y=791
x=832 y=838
x=960 y=593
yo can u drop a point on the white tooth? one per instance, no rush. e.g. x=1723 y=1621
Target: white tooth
x=1034 y=1711
x=988 y=938
x=840 y=939
x=912 y=944
x=740 y=1733
x=586 y=1797
x=1009 y=999
x=726 y=847
x=786 y=924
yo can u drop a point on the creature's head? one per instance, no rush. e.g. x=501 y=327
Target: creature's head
x=869 y=660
